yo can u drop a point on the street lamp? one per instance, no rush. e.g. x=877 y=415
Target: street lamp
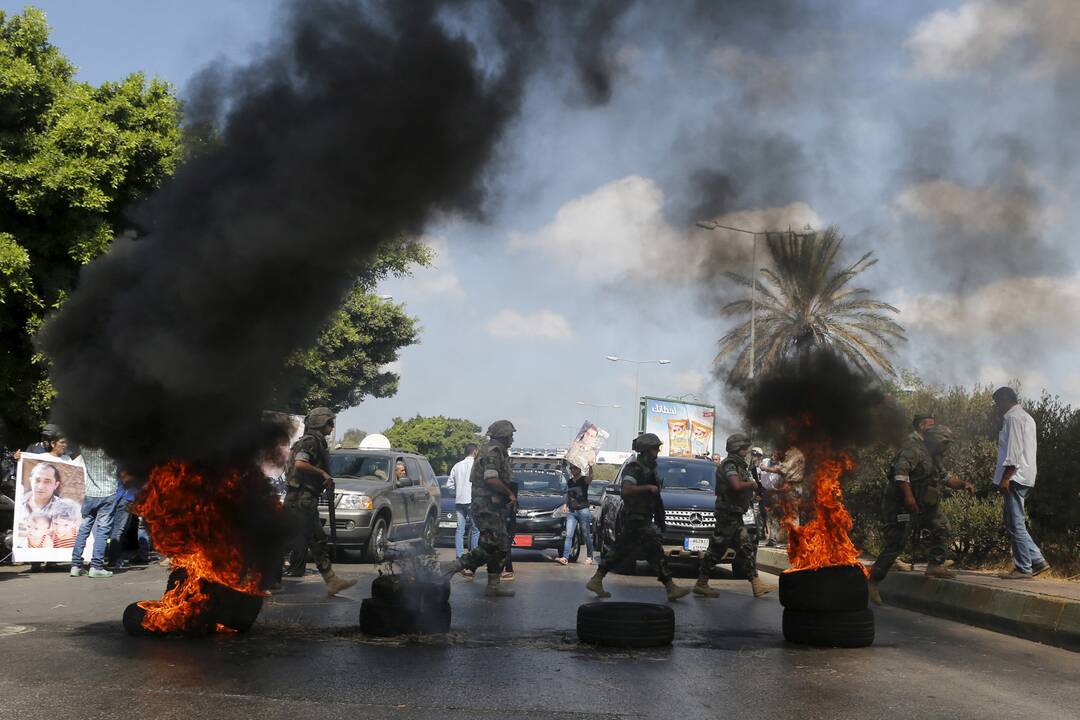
x=753 y=283
x=637 y=372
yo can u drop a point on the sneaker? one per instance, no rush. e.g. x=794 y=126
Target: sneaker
x=507 y=576
x=1015 y=575
x=100 y=573
x=77 y=571
x=1039 y=569
x=588 y=561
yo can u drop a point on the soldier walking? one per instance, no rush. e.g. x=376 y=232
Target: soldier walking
x=916 y=484
x=641 y=513
x=308 y=476
x=492 y=499
x=734 y=494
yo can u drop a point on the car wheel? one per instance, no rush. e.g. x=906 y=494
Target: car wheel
x=626 y=624
x=829 y=629
x=840 y=588
x=375 y=552
x=431 y=526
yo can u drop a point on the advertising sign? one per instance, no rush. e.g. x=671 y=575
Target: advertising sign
x=587 y=442
x=48 y=508
x=686 y=429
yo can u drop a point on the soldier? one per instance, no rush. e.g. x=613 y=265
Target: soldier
x=308 y=476
x=916 y=483
x=734 y=493
x=637 y=524
x=492 y=499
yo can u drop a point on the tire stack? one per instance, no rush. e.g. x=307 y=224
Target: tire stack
x=626 y=624
x=405 y=607
x=827 y=607
x=230 y=608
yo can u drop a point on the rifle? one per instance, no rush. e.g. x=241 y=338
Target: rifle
x=333 y=522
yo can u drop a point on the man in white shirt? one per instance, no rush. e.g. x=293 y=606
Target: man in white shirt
x=1015 y=476
x=460 y=483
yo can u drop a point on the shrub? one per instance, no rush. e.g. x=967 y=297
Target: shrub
x=977 y=533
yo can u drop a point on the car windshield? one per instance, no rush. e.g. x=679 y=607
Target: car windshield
x=687 y=474
x=535 y=482
x=372 y=467
x=596 y=489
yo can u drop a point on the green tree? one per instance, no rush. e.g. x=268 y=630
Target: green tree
x=442 y=440
x=73 y=158
x=805 y=300
x=352 y=438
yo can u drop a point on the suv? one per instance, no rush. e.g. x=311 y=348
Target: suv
x=373 y=508
x=444 y=536
x=689 y=495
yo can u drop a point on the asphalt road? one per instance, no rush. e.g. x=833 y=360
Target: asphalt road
x=65 y=655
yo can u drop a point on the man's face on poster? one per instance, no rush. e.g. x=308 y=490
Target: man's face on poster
x=43 y=482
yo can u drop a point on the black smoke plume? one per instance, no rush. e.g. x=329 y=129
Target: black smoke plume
x=362 y=122
x=819 y=399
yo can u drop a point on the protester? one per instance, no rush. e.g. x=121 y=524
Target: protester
x=792 y=492
x=98 y=509
x=125 y=496
x=458 y=481
x=1015 y=477
x=51 y=435
x=771 y=486
x=757 y=456
x=578 y=513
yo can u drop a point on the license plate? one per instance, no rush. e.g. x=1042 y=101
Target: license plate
x=523 y=540
x=448 y=524
x=698 y=544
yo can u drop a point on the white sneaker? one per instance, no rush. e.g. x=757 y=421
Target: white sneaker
x=99 y=573
x=76 y=571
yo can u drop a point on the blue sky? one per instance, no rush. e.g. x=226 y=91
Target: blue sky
x=936 y=134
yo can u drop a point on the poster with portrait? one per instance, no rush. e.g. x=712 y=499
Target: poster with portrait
x=48 y=508
x=587 y=442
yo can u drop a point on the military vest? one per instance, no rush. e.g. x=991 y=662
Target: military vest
x=641 y=504
x=493 y=456
x=314 y=444
x=727 y=499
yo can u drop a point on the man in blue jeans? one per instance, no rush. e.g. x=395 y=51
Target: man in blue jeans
x=1015 y=478
x=460 y=483
x=578 y=514
x=98 y=508
x=125 y=495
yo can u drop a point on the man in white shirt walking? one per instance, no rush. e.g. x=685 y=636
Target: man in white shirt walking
x=460 y=483
x=1015 y=476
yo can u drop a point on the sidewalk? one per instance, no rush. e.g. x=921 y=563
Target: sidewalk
x=1047 y=611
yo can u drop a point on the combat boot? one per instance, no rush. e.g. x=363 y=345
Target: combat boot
x=452 y=567
x=596 y=584
x=902 y=566
x=759 y=587
x=674 y=592
x=940 y=571
x=494 y=587
x=702 y=588
x=335 y=584
x=872 y=590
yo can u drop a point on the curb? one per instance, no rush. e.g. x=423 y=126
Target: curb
x=1043 y=618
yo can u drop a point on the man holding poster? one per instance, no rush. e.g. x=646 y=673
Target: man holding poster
x=49 y=508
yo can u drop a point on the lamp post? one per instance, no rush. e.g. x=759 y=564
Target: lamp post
x=637 y=374
x=753 y=283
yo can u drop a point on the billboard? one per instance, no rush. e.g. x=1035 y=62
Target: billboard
x=685 y=428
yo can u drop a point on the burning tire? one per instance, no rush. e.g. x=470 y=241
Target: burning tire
x=626 y=624
x=392 y=590
x=850 y=629
x=383 y=619
x=838 y=588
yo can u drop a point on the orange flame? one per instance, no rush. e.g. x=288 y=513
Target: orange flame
x=823 y=541
x=191 y=517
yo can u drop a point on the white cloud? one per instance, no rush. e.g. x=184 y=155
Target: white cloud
x=619 y=229
x=1033 y=36
x=540 y=325
x=440 y=278
x=1032 y=382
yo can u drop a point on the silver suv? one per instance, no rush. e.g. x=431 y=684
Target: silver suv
x=373 y=507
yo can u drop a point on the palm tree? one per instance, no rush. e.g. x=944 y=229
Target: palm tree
x=805 y=301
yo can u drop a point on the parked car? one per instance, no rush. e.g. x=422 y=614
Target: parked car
x=689 y=495
x=540 y=493
x=373 y=508
x=444 y=536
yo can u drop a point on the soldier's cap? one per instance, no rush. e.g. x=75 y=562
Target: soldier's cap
x=918 y=418
x=501 y=428
x=756 y=451
x=645 y=441
x=939 y=435
x=319 y=417
x=737 y=441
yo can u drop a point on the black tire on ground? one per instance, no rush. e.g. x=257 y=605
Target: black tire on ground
x=432 y=619
x=392 y=590
x=233 y=609
x=379 y=619
x=133 y=617
x=841 y=588
x=375 y=552
x=387 y=589
x=829 y=629
x=626 y=624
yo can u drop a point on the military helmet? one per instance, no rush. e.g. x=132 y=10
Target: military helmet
x=737 y=442
x=646 y=441
x=939 y=435
x=318 y=418
x=51 y=432
x=501 y=428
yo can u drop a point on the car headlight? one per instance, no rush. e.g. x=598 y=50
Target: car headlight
x=351 y=501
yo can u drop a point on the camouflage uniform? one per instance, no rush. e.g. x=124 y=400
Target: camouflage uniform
x=489 y=508
x=730 y=531
x=927 y=479
x=637 y=526
x=303 y=493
